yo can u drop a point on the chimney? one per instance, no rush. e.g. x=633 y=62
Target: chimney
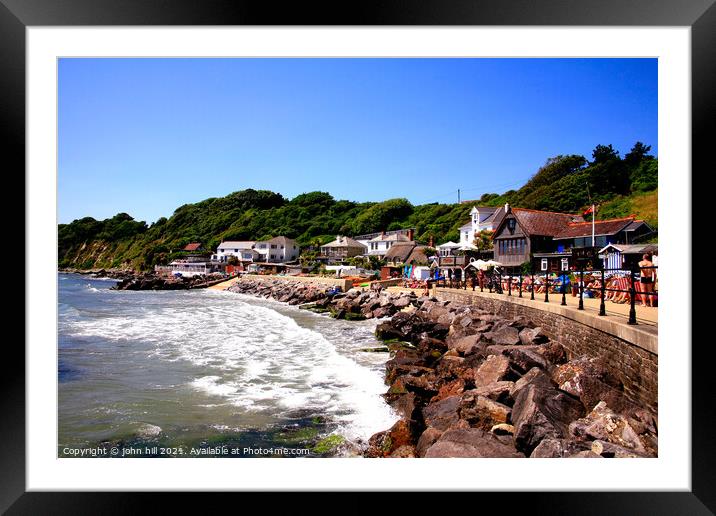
x=410 y=234
x=507 y=207
x=431 y=242
x=382 y=234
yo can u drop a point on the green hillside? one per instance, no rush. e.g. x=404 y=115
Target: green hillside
x=621 y=186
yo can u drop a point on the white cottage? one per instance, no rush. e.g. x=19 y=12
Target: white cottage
x=481 y=218
x=241 y=249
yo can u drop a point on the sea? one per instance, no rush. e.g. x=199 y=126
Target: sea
x=208 y=372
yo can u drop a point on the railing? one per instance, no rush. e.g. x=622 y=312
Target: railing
x=621 y=281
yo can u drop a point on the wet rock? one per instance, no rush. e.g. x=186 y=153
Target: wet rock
x=404 y=405
x=539 y=413
x=403 y=452
x=427 y=439
x=471 y=442
x=383 y=444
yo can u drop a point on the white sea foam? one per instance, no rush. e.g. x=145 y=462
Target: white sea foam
x=246 y=352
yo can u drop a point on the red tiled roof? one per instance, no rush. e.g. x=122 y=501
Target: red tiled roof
x=546 y=223
x=601 y=227
x=192 y=247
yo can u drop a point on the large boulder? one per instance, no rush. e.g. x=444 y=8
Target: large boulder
x=404 y=405
x=482 y=412
x=529 y=336
x=471 y=442
x=588 y=379
x=605 y=425
x=524 y=358
x=442 y=414
x=493 y=369
x=551 y=448
x=401 y=302
x=449 y=367
x=498 y=391
x=465 y=345
x=427 y=439
x=383 y=444
x=534 y=376
x=453 y=388
x=506 y=336
x=541 y=412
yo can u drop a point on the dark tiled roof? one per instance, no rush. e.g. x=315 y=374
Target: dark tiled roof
x=601 y=227
x=399 y=252
x=417 y=255
x=545 y=223
x=192 y=247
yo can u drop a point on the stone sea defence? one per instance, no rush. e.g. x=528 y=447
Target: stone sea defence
x=353 y=305
x=149 y=281
x=469 y=383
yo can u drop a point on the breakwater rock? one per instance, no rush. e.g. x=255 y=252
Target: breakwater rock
x=103 y=273
x=149 y=281
x=353 y=305
x=468 y=383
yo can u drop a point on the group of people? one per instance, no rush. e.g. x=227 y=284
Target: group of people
x=616 y=289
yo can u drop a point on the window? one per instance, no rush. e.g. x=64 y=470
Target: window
x=236 y=250
x=601 y=241
x=273 y=246
x=565 y=264
x=543 y=264
x=273 y=256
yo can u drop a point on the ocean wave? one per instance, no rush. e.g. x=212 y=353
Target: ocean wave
x=247 y=353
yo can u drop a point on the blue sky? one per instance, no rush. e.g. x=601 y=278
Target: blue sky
x=144 y=136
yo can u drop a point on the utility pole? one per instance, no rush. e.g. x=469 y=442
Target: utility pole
x=458 y=196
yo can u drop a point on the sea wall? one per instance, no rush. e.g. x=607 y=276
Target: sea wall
x=630 y=353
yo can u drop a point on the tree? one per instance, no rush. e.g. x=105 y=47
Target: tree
x=637 y=154
x=604 y=153
x=483 y=240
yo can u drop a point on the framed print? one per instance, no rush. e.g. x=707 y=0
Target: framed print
x=424 y=232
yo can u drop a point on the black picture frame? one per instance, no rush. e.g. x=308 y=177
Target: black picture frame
x=700 y=15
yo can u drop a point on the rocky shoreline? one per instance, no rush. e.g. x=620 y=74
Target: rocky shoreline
x=474 y=384
x=467 y=383
x=132 y=280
